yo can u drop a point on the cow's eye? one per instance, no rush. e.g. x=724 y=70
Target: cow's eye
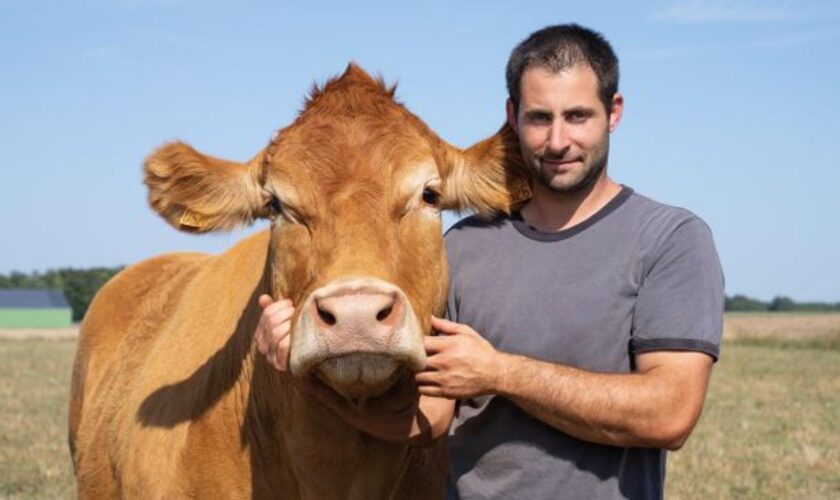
x=279 y=209
x=275 y=205
x=431 y=197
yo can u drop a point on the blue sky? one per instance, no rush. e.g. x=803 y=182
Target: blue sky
x=730 y=111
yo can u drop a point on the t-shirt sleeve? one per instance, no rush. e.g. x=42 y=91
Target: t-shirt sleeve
x=680 y=300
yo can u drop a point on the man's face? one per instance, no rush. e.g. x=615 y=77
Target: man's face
x=563 y=127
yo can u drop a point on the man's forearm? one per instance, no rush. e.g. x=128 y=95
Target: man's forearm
x=645 y=409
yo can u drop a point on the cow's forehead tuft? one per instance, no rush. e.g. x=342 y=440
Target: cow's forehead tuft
x=353 y=91
x=357 y=77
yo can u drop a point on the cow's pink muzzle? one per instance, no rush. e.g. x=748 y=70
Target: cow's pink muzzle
x=358 y=335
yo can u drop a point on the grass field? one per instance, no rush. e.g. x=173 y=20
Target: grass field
x=34 y=387
x=770 y=428
x=819 y=330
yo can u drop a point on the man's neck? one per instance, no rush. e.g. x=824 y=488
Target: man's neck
x=548 y=211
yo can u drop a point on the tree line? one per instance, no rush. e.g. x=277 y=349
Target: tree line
x=80 y=285
x=779 y=303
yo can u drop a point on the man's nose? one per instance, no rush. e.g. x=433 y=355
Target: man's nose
x=558 y=140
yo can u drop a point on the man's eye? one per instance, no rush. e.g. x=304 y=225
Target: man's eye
x=539 y=119
x=577 y=117
x=431 y=197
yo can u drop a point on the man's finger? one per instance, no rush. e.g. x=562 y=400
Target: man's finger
x=445 y=326
x=431 y=390
x=427 y=378
x=262 y=342
x=265 y=300
x=279 y=320
x=284 y=312
x=431 y=364
x=272 y=308
x=435 y=344
x=280 y=332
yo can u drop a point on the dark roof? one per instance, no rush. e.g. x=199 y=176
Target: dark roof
x=32 y=299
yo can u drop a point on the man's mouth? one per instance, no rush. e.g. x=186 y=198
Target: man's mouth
x=559 y=163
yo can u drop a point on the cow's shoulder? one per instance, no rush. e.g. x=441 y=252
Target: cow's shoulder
x=133 y=291
x=149 y=290
x=136 y=295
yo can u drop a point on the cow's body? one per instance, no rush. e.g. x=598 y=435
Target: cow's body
x=158 y=426
x=170 y=397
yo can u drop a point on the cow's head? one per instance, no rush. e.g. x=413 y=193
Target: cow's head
x=354 y=189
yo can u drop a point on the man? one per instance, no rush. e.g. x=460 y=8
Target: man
x=599 y=310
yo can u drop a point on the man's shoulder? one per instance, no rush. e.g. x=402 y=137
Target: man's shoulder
x=663 y=229
x=474 y=226
x=659 y=216
x=648 y=205
x=470 y=238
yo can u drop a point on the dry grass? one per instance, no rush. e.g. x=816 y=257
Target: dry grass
x=69 y=332
x=770 y=429
x=34 y=387
x=802 y=329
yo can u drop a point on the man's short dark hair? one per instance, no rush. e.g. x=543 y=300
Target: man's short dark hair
x=560 y=47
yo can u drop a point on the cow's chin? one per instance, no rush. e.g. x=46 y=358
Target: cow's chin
x=368 y=382
x=360 y=375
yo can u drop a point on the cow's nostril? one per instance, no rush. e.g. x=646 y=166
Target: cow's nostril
x=327 y=317
x=384 y=313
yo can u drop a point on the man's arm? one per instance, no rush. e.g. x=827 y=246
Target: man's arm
x=655 y=406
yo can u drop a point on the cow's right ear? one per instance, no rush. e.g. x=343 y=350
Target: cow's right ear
x=195 y=192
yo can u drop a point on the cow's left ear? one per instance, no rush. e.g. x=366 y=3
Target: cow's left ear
x=489 y=177
x=195 y=192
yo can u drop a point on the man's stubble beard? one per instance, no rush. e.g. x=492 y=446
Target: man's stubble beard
x=586 y=181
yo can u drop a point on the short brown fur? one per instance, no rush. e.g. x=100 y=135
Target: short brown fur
x=170 y=398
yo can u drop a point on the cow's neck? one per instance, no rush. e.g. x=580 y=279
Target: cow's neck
x=284 y=422
x=285 y=435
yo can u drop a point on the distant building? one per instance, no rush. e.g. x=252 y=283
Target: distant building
x=23 y=308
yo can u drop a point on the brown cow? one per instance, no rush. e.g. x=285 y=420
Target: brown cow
x=170 y=397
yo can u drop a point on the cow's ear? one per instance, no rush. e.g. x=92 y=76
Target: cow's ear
x=489 y=177
x=195 y=192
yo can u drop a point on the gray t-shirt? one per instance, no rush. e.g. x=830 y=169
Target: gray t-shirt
x=637 y=276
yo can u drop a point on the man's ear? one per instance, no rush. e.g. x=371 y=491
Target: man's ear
x=198 y=193
x=489 y=177
x=616 y=111
x=510 y=111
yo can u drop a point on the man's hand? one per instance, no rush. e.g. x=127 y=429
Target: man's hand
x=461 y=365
x=272 y=333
